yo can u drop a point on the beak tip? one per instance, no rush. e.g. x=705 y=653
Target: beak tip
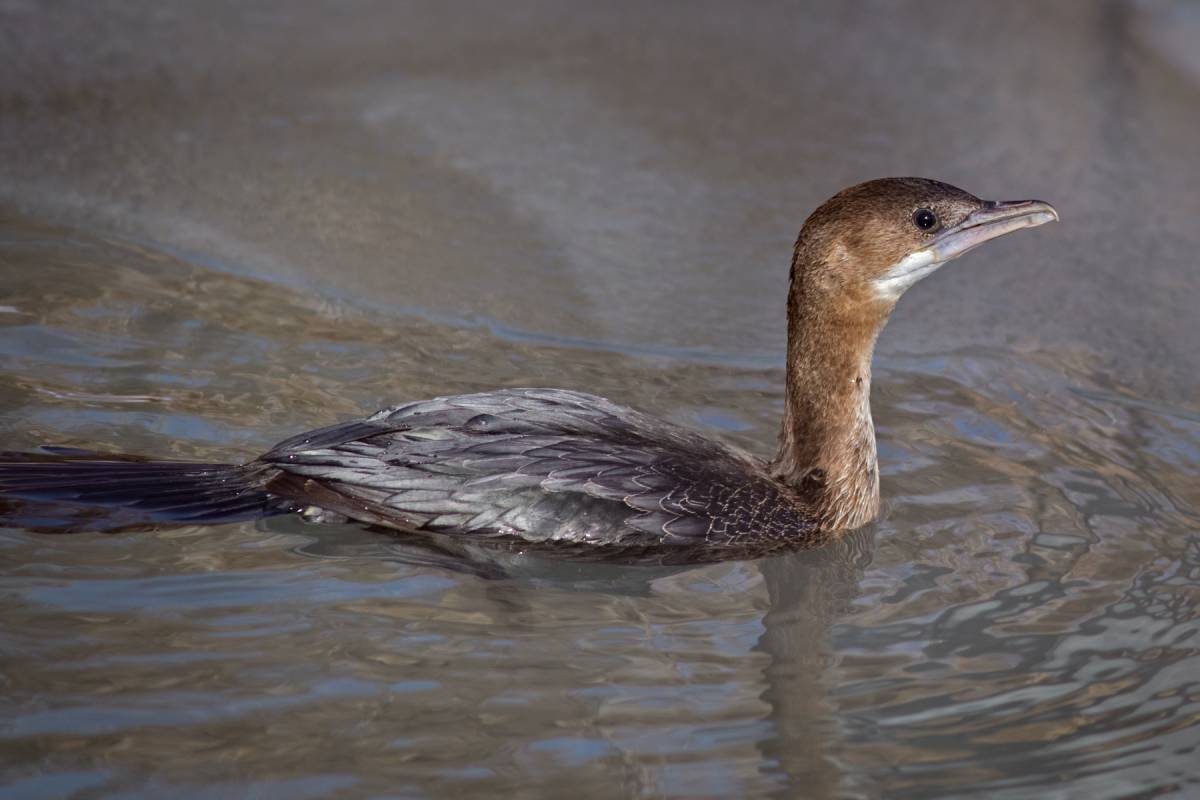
x=1039 y=212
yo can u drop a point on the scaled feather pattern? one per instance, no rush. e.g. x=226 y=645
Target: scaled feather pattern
x=543 y=465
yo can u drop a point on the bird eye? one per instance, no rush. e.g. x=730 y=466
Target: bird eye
x=924 y=219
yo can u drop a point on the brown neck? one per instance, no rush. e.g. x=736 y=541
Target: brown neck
x=827 y=443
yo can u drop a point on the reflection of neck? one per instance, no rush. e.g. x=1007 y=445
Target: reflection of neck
x=807 y=592
x=827 y=442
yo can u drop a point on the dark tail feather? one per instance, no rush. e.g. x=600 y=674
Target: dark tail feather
x=72 y=492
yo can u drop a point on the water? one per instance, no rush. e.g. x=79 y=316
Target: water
x=211 y=238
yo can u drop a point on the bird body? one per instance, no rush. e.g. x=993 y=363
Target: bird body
x=552 y=466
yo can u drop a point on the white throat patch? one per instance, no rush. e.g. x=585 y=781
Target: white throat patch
x=904 y=273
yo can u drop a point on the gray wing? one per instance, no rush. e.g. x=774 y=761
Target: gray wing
x=540 y=465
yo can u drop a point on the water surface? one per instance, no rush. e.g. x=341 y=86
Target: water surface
x=211 y=238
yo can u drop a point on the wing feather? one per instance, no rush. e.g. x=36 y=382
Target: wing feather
x=540 y=464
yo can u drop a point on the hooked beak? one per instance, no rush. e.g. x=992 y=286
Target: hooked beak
x=985 y=224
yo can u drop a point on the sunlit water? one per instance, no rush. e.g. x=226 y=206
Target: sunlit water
x=223 y=225
x=1025 y=613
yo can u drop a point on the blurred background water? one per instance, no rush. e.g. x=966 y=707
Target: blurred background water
x=224 y=223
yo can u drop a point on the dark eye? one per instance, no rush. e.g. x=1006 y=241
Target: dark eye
x=924 y=219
